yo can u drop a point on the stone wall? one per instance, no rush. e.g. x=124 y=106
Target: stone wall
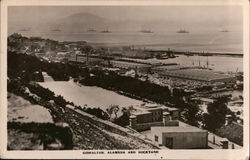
x=111 y=127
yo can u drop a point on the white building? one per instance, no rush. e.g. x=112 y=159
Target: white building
x=177 y=137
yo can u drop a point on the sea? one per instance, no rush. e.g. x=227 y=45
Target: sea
x=199 y=41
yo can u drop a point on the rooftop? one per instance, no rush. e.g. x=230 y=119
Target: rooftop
x=128 y=63
x=207 y=100
x=139 y=111
x=149 y=107
x=168 y=67
x=169 y=108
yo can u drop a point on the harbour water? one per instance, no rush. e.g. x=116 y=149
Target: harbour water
x=217 y=63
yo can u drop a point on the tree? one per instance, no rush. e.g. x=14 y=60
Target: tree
x=116 y=109
x=113 y=109
x=215 y=118
x=109 y=111
x=192 y=115
x=123 y=120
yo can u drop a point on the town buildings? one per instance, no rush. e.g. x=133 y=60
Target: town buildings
x=163 y=128
x=147 y=115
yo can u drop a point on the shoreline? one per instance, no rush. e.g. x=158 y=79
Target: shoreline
x=177 y=52
x=238 y=55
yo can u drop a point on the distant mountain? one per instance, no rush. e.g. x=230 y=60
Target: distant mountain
x=81 y=22
x=85 y=17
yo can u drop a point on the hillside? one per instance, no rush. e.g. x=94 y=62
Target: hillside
x=88 y=132
x=85 y=131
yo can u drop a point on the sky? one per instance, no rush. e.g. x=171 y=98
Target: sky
x=191 y=16
x=130 y=12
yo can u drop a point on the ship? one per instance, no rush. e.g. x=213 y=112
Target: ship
x=146 y=31
x=106 y=31
x=205 y=54
x=182 y=31
x=188 y=54
x=224 y=30
x=91 y=30
x=56 y=30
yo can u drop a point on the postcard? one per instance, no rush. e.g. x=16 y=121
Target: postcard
x=131 y=79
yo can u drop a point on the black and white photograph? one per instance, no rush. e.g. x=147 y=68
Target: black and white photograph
x=125 y=79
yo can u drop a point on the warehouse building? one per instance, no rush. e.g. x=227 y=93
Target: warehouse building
x=127 y=65
x=199 y=75
x=130 y=65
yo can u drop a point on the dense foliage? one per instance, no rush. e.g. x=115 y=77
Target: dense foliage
x=29 y=68
x=47 y=132
x=134 y=88
x=192 y=114
x=215 y=118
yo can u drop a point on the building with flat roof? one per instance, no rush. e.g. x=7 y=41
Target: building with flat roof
x=174 y=112
x=128 y=65
x=169 y=67
x=180 y=137
x=147 y=115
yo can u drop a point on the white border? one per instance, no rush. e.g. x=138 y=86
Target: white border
x=163 y=154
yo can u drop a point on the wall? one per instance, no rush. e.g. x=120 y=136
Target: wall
x=186 y=140
x=157 y=115
x=175 y=115
x=144 y=118
x=172 y=123
x=146 y=126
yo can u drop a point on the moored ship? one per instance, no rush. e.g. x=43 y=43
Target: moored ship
x=182 y=31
